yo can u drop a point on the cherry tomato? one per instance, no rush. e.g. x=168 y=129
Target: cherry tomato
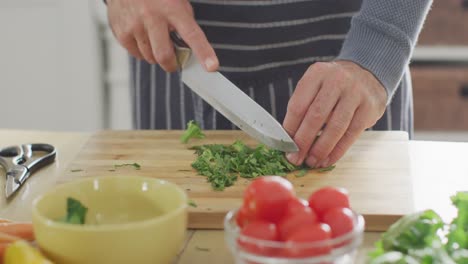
x=306 y=234
x=267 y=198
x=258 y=229
x=242 y=217
x=328 y=198
x=291 y=222
x=340 y=221
x=296 y=204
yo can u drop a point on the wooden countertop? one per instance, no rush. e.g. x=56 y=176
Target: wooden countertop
x=439 y=169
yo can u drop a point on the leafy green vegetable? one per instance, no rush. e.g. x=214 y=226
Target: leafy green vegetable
x=76 y=212
x=457 y=236
x=435 y=254
x=425 y=238
x=414 y=231
x=134 y=165
x=394 y=257
x=460 y=256
x=193 y=131
x=432 y=255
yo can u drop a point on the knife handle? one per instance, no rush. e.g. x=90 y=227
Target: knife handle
x=182 y=50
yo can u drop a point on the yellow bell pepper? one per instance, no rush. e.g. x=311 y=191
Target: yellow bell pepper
x=21 y=252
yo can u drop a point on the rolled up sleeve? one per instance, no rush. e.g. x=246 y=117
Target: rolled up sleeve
x=382 y=37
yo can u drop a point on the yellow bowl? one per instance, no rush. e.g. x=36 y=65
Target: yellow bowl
x=130 y=219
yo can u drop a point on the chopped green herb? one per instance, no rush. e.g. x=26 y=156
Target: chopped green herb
x=202 y=249
x=302 y=173
x=192 y=203
x=135 y=165
x=77 y=170
x=76 y=212
x=329 y=168
x=193 y=131
x=222 y=164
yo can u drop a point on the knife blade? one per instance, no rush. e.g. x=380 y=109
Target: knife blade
x=234 y=104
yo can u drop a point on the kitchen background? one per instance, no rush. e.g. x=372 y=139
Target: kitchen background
x=61 y=69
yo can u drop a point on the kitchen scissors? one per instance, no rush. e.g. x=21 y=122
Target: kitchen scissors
x=21 y=161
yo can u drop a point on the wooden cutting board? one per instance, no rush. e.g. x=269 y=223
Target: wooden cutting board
x=375 y=170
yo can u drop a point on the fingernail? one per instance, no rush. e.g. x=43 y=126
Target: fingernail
x=210 y=64
x=293 y=158
x=312 y=161
x=324 y=163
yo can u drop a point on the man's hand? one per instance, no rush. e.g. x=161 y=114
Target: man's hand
x=342 y=95
x=142 y=27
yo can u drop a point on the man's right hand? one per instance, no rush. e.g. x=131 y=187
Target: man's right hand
x=142 y=27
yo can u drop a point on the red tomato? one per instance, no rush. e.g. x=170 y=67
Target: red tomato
x=291 y=222
x=308 y=234
x=267 y=198
x=259 y=230
x=296 y=205
x=340 y=221
x=328 y=198
x=242 y=217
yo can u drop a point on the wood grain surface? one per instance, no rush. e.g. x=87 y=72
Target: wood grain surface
x=376 y=172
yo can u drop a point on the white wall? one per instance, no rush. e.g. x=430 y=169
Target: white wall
x=50 y=66
x=116 y=74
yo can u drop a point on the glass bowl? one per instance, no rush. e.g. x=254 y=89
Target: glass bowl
x=249 y=250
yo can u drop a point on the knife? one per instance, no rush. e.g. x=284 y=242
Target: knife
x=230 y=101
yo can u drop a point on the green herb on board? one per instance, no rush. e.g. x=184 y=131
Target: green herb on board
x=192 y=204
x=202 y=249
x=329 y=168
x=193 y=131
x=134 y=165
x=301 y=173
x=223 y=164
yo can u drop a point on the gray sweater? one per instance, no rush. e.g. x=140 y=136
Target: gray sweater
x=383 y=36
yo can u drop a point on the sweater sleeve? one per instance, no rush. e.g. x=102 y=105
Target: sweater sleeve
x=382 y=37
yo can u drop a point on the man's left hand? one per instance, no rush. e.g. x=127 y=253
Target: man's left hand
x=342 y=95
